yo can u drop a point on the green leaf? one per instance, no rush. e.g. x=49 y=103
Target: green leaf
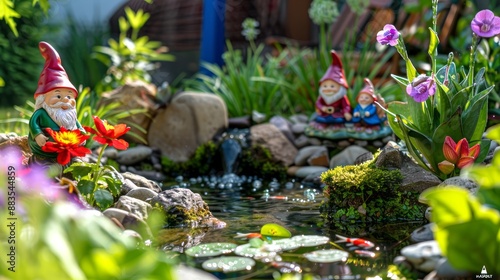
x=275 y=230
x=228 y=264
x=211 y=249
x=79 y=169
x=433 y=43
x=475 y=117
x=8 y=14
x=103 y=198
x=493 y=133
x=85 y=187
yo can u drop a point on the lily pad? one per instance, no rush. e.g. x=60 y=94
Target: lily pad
x=287 y=244
x=246 y=250
x=210 y=249
x=228 y=264
x=311 y=240
x=327 y=256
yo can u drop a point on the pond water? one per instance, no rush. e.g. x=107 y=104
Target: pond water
x=246 y=204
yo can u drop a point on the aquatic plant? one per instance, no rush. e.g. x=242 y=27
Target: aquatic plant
x=443 y=103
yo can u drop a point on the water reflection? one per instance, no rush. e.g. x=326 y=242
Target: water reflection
x=246 y=204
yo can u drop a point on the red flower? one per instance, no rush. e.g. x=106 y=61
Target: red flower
x=460 y=153
x=108 y=134
x=67 y=144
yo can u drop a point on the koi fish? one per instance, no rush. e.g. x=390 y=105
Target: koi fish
x=365 y=253
x=248 y=235
x=355 y=241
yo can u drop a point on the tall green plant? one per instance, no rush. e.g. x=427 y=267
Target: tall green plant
x=247 y=84
x=130 y=58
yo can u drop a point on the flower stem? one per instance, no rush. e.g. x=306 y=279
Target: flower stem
x=473 y=50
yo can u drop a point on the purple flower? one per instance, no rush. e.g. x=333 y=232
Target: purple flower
x=421 y=88
x=388 y=36
x=485 y=24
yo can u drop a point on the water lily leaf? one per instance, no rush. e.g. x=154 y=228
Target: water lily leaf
x=246 y=250
x=211 y=249
x=310 y=240
x=327 y=256
x=228 y=264
x=287 y=244
x=275 y=230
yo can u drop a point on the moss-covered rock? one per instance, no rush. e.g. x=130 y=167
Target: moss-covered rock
x=257 y=160
x=200 y=163
x=366 y=193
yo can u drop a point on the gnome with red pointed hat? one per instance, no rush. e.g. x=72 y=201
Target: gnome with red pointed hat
x=332 y=105
x=365 y=113
x=55 y=101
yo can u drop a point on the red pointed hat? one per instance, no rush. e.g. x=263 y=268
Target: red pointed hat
x=369 y=89
x=53 y=74
x=335 y=71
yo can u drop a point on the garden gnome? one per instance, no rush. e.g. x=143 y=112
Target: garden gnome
x=54 y=106
x=365 y=113
x=332 y=105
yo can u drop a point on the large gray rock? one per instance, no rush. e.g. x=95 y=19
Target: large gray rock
x=465 y=183
x=415 y=178
x=190 y=120
x=305 y=154
x=134 y=95
x=133 y=205
x=347 y=157
x=182 y=207
x=134 y=155
x=270 y=137
x=424 y=256
x=141 y=182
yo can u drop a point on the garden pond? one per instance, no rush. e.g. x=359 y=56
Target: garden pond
x=246 y=204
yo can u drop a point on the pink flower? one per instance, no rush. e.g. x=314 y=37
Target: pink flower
x=485 y=24
x=388 y=36
x=421 y=88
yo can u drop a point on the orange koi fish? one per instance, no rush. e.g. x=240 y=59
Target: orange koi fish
x=248 y=235
x=355 y=241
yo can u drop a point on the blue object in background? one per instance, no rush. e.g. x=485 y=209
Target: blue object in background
x=212 y=33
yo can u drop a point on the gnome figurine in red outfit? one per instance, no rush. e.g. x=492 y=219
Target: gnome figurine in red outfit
x=332 y=105
x=55 y=101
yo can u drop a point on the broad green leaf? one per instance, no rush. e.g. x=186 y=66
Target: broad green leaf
x=2 y=82
x=79 y=169
x=7 y=13
x=475 y=117
x=450 y=205
x=411 y=148
x=493 y=133
x=490 y=196
x=103 y=198
x=275 y=230
x=443 y=102
x=401 y=80
x=452 y=73
x=453 y=128
x=85 y=187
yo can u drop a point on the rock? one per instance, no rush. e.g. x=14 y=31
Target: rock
x=116 y=213
x=465 y=183
x=423 y=233
x=292 y=170
x=428 y=213
x=314 y=141
x=298 y=128
x=142 y=182
x=134 y=155
x=313 y=179
x=231 y=151
x=182 y=207
x=258 y=117
x=268 y=135
x=110 y=153
x=143 y=194
x=298 y=118
x=424 y=256
x=305 y=171
x=190 y=120
x=133 y=205
x=132 y=96
x=390 y=157
x=239 y=122
x=347 y=156
x=149 y=174
x=415 y=178
x=305 y=153
x=301 y=141
x=127 y=186
x=363 y=158
x=446 y=271
x=319 y=158
x=284 y=126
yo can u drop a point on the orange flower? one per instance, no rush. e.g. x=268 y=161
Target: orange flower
x=108 y=134
x=67 y=144
x=460 y=153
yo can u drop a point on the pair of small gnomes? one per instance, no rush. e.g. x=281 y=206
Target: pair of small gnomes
x=333 y=106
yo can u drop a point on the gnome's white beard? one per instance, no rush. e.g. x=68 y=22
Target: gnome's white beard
x=66 y=118
x=329 y=99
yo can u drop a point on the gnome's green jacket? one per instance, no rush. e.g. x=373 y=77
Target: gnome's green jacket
x=38 y=122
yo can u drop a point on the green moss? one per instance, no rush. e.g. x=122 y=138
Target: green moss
x=366 y=193
x=258 y=161
x=200 y=163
